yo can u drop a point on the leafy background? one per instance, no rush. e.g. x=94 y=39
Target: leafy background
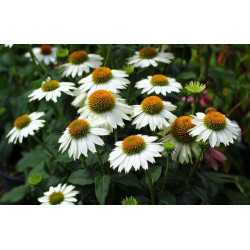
x=225 y=69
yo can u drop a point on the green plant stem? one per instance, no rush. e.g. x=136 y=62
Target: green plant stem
x=194 y=105
x=150 y=184
x=35 y=59
x=34 y=62
x=115 y=135
x=61 y=114
x=192 y=170
x=82 y=159
x=160 y=46
x=107 y=56
x=42 y=144
x=166 y=172
x=100 y=162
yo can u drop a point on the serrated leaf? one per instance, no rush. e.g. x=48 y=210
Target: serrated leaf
x=102 y=187
x=82 y=177
x=14 y=195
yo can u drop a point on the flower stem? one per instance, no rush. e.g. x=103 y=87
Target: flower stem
x=107 y=56
x=194 y=105
x=192 y=170
x=34 y=62
x=61 y=114
x=100 y=162
x=150 y=184
x=166 y=172
x=35 y=59
x=42 y=144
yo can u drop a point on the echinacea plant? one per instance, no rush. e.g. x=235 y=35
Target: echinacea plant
x=124 y=136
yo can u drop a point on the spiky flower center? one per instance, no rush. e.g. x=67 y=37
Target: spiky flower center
x=129 y=201
x=50 y=85
x=101 y=75
x=133 y=144
x=79 y=128
x=22 y=121
x=152 y=105
x=78 y=57
x=56 y=198
x=180 y=127
x=46 y=49
x=215 y=121
x=159 y=80
x=101 y=101
x=195 y=88
x=148 y=53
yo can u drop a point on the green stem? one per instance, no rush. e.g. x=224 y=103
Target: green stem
x=107 y=56
x=40 y=64
x=42 y=144
x=160 y=46
x=50 y=152
x=192 y=170
x=194 y=105
x=150 y=184
x=61 y=114
x=34 y=62
x=71 y=49
x=166 y=172
x=100 y=162
x=82 y=159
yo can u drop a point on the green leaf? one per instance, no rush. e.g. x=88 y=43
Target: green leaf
x=82 y=177
x=14 y=195
x=155 y=173
x=31 y=159
x=167 y=198
x=37 y=84
x=129 y=180
x=102 y=187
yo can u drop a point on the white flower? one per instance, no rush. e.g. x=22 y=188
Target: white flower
x=149 y=56
x=60 y=195
x=214 y=127
x=51 y=89
x=8 y=45
x=82 y=135
x=109 y=107
x=104 y=78
x=159 y=84
x=80 y=98
x=153 y=112
x=25 y=125
x=80 y=61
x=178 y=134
x=45 y=54
x=135 y=151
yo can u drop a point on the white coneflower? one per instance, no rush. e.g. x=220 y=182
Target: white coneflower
x=60 y=195
x=82 y=135
x=178 y=134
x=153 y=112
x=214 y=127
x=104 y=78
x=108 y=107
x=80 y=61
x=149 y=56
x=25 y=125
x=45 y=54
x=51 y=89
x=80 y=98
x=135 y=151
x=159 y=84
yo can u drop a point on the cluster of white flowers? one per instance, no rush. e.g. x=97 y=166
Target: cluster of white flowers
x=101 y=110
